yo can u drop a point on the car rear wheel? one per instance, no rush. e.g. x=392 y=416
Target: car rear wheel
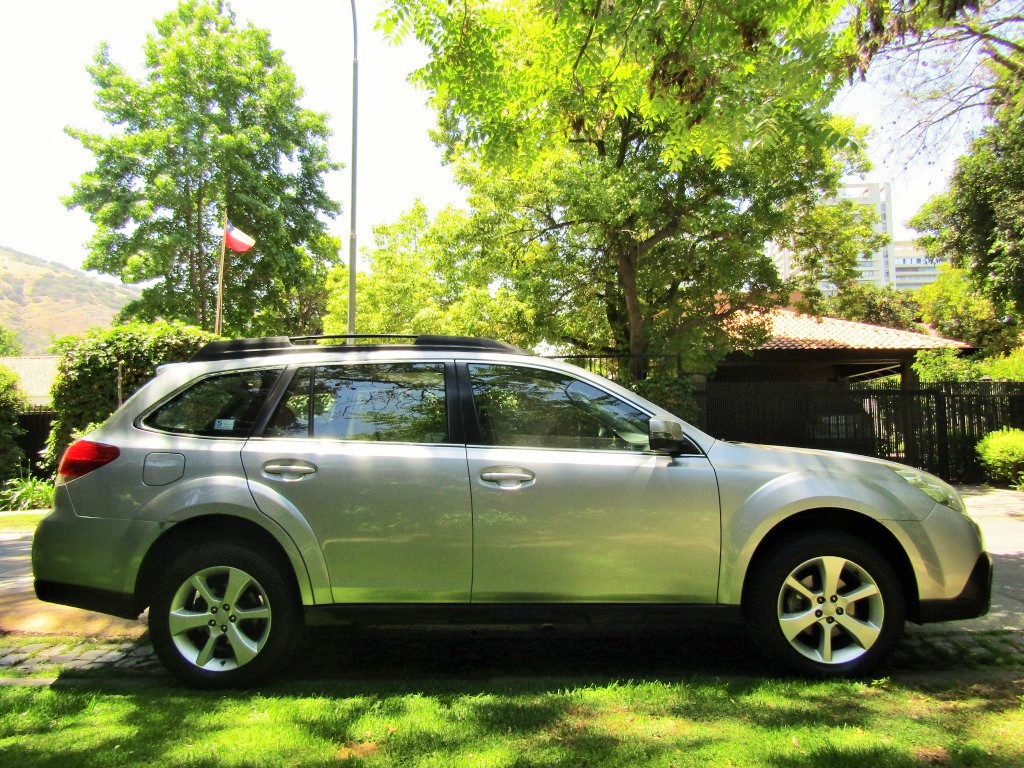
x=828 y=603
x=222 y=616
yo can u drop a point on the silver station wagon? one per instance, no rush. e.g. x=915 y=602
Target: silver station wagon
x=271 y=482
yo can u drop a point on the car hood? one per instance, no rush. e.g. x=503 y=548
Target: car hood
x=747 y=472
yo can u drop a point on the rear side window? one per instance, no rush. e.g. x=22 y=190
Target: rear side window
x=392 y=402
x=226 y=405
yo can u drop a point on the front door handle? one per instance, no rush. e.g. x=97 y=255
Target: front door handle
x=288 y=470
x=508 y=477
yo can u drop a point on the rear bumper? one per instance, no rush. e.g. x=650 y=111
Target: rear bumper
x=100 y=600
x=972 y=602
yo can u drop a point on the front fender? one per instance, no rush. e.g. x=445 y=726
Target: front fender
x=747 y=520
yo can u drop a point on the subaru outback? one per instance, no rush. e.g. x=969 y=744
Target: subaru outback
x=269 y=483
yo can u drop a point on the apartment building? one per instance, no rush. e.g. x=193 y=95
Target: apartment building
x=899 y=263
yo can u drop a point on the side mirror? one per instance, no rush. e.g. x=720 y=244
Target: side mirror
x=665 y=435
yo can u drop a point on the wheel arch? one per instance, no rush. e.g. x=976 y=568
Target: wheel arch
x=845 y=521
x=205 y=528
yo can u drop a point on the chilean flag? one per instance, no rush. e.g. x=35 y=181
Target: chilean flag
x=237 y=240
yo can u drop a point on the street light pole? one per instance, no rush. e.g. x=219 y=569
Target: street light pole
x=352 y=204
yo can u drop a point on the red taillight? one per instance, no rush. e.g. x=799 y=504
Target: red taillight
x=84 y=456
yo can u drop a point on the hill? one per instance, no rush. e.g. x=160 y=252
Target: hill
x=42 y=301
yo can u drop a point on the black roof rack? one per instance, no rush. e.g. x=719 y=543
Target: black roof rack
x=233 y=349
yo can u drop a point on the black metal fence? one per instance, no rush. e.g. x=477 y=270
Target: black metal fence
x=935 y=427
x=35 y=425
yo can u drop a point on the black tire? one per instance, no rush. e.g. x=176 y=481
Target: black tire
x=212 y=641
x=845 y=630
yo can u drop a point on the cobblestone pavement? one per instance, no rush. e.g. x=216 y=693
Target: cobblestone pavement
x=995 y=641
x=339 y=654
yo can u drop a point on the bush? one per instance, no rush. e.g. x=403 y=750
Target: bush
x=1002 y=455
x=12 y=403
x=24 y=493
x=105 y=367
x=671 y=393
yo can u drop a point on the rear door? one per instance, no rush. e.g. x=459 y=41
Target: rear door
x=371 y=456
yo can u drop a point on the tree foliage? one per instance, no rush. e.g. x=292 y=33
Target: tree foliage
x=867 y=303
x=12 y=404
x=978 y=223
x=421 y=281
x=213 y=127
x=103 y=368
x=956 y=309
x=9 y=345
x=626 y=163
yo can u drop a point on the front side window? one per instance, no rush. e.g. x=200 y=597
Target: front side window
x=392 y=402
x=226 y=405
x=535 y=408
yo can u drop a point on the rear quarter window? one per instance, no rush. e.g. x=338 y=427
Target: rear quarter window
x=224 y=405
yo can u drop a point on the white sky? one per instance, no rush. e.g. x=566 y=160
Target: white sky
x=45 y=47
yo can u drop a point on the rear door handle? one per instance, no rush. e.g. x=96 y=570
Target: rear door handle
x=508 y=477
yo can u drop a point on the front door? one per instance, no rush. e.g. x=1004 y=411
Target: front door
x=571 y=505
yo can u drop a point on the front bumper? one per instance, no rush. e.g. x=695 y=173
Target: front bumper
x=972 y=602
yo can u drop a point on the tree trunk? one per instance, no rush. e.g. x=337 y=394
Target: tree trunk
x=638 y=367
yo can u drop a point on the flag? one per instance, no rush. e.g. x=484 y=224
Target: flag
x=237 y=240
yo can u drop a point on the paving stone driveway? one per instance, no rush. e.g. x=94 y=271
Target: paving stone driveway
x=996 y=640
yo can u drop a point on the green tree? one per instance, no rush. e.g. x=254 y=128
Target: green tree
x=826 y=241
x=958 y=310
x=627 y=163
x=9 y=344
x=420 y=281
x=12 y=404
x=214 y=127
x=867 y=303
x=978 y=223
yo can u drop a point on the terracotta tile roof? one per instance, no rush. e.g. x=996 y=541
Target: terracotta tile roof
x=793 y=331
x=36 y=375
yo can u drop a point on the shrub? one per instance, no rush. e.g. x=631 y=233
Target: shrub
x=105 y=367
x=1002 y=455
x=22 y=493
x=12 y=403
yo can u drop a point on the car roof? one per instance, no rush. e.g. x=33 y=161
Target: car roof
x=269 y=346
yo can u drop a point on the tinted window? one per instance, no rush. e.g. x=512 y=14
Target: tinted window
x=394 y=402
x=545 y=409
x=218 y=406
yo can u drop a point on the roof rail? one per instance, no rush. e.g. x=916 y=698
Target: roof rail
x=232 y=349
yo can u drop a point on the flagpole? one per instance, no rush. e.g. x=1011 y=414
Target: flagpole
x=219 y=322
x=352 y=204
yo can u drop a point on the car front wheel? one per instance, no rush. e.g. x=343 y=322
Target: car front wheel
x=222 y=616
x=828 y=603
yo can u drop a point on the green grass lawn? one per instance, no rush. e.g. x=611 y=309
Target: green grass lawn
x=700 y=722
x=21 y=522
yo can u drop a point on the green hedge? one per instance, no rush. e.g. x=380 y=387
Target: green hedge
x=12 y=403
x=1002 y=455
x=105 y=366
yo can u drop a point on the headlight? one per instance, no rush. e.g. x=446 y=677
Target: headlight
x=933 y=487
